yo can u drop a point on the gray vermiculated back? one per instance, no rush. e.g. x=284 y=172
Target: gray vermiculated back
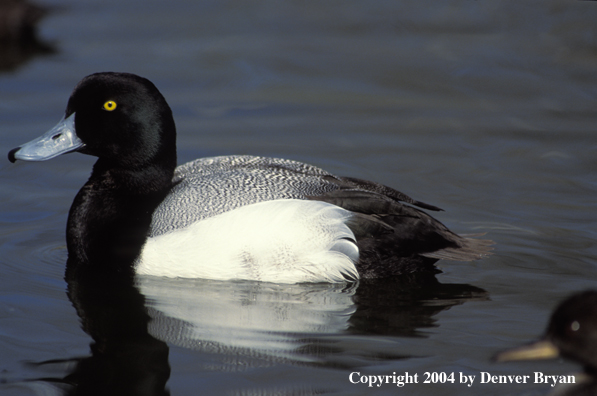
x=210 y=186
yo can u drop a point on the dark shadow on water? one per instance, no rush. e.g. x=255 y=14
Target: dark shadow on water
x=240 y=323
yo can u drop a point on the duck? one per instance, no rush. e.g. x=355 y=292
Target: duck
x=237 y=217
x=571 y=333
x=19 y=41
x=18 y=20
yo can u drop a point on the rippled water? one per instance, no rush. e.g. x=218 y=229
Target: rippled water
x=486 y=109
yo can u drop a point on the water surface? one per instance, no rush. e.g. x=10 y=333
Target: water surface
x=485 y=109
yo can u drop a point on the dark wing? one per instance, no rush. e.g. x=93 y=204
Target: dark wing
x=390 y=231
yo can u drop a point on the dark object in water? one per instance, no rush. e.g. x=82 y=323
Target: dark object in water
x=18 y=33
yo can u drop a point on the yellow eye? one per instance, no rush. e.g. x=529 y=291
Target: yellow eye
x=110 y=105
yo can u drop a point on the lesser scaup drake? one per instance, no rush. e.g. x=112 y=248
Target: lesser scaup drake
x=571 y=333
x=235 y=217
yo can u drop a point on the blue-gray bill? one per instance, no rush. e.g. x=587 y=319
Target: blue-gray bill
x=59 y=140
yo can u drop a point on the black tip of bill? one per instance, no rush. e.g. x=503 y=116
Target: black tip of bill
x=11 y=154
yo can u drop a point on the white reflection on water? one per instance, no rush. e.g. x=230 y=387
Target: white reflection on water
x=265 y=318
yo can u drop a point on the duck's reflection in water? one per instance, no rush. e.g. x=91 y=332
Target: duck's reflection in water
x=283 y=321
x=248 y=323
x=125 y=359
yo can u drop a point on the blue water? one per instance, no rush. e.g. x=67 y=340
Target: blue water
x=485 y=109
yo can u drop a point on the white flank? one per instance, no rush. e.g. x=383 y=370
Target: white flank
x=283 y=241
